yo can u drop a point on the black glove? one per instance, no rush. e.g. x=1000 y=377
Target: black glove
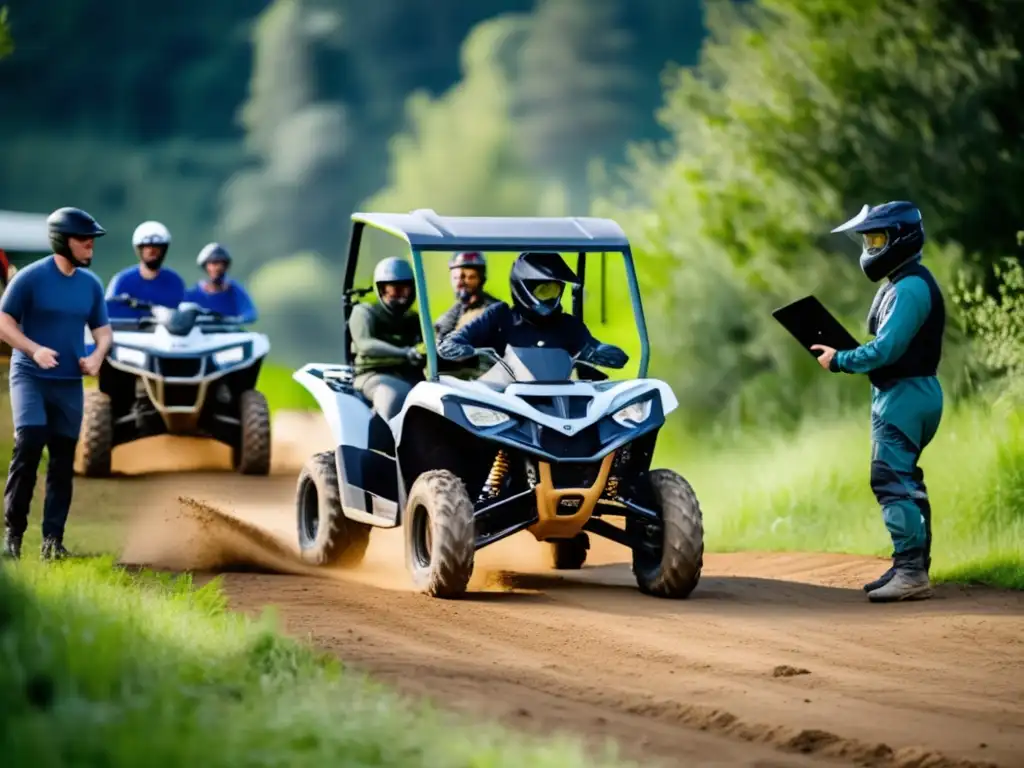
x=605 y=355
x=414 y=356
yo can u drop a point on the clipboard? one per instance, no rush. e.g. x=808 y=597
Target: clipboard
x=809 y=323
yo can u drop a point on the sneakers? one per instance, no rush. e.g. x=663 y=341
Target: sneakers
x=909 y=580
x=12 y=546
x=53 y=549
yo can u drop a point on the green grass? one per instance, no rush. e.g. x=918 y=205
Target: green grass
x=282 y=391
x=102 y=667
x=810 y=492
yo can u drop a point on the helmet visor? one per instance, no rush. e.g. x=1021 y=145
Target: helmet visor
x=548 y=291
x=874 y=242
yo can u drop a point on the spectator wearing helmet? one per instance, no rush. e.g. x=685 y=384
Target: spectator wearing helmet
x=535 y=318
x=148 y=280
x=907 y=319
x=43 y=316
x=468 y=270
x=219 y=293
x=384 y=339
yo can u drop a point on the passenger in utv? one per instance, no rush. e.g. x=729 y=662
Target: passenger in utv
x=535 y=318
x=384 y=337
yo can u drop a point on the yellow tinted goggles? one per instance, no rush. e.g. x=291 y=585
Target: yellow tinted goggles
x=874 y=241
x=547 y=291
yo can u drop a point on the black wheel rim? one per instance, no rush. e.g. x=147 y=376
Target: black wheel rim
x=309 y=514
x=422 y=541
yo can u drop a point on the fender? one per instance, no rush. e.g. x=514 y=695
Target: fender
x=367 y=479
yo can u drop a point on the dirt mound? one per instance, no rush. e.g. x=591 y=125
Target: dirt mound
x=195 y=536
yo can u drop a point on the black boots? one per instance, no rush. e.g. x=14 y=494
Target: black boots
x=53 y=549
x=12 y=546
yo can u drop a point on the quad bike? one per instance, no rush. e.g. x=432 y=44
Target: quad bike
x=179 y=371
x=524 y=447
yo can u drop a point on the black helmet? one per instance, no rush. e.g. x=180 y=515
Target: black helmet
x=71 y=222
x=538 y=280
x=890 y=235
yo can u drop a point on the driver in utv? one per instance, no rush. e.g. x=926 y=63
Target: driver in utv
x=535 y=318
x=384 y=338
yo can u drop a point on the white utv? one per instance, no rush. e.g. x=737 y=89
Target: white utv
x=179 y=371
x=467 y=463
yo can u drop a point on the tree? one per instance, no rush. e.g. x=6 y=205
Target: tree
x=796 y=114
x=6 y=43
x=289 y=198
x=574 y=91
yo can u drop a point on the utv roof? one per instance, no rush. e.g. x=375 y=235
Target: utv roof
x=426 y=230
x=23 y=231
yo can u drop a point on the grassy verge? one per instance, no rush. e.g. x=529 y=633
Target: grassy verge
x=810 y=492
x=283 y=392
x=102 y=667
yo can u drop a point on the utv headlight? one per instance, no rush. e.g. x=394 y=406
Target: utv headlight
x=481 y=417
x=633 y=414
x=229 y=356
x=130 y=356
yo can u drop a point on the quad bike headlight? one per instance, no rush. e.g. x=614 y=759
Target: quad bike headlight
x=229 y=356
x=480 y=417
x=633 y=414
x=130 y=356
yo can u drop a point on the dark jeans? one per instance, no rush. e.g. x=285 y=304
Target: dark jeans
x=47 y=414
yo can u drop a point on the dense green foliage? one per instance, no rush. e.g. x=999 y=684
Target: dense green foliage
x=101 y=667
x=796 y=115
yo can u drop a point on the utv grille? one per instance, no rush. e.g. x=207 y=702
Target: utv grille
x=587 y=442
x=179 y=395
x=179 y=368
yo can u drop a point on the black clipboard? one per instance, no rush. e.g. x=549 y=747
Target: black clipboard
x=809 y=322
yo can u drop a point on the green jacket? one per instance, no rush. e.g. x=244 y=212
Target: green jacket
x=381 y=340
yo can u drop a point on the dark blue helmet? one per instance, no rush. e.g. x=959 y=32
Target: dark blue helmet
x=394 y=270
x=213 y=252
x=890 y=235
x=70 y=222
x=538 y=281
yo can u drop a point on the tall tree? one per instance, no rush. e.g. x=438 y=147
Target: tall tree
x=6 y=43
x=575 y=89
x=796 y=115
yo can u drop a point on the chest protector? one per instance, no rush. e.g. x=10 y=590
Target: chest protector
x=925 y=349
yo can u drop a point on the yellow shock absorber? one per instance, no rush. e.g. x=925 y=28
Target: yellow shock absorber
x=611 y=488
x=499 y=469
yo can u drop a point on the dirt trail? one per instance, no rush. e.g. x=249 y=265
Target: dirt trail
x=775 y=660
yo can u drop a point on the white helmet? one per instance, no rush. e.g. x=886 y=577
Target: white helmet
x=151 y=233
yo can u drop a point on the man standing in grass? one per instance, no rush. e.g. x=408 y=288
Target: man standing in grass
x=43 y=315
x=907 y=319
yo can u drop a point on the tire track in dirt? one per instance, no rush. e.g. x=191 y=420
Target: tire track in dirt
x=775 y=659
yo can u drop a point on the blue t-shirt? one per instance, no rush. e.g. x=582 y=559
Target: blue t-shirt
x=53 y=309
x=166 y=289
x=233 y=301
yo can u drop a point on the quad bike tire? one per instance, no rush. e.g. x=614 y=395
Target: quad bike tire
x=677 y=571
x=252 y=455
x=326 y=536
x=97 y=436
x=440 y=537
x=568 y=554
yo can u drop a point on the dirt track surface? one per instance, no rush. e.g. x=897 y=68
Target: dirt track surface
x=775 y=660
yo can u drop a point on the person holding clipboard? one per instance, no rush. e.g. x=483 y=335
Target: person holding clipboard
x=907 y=319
